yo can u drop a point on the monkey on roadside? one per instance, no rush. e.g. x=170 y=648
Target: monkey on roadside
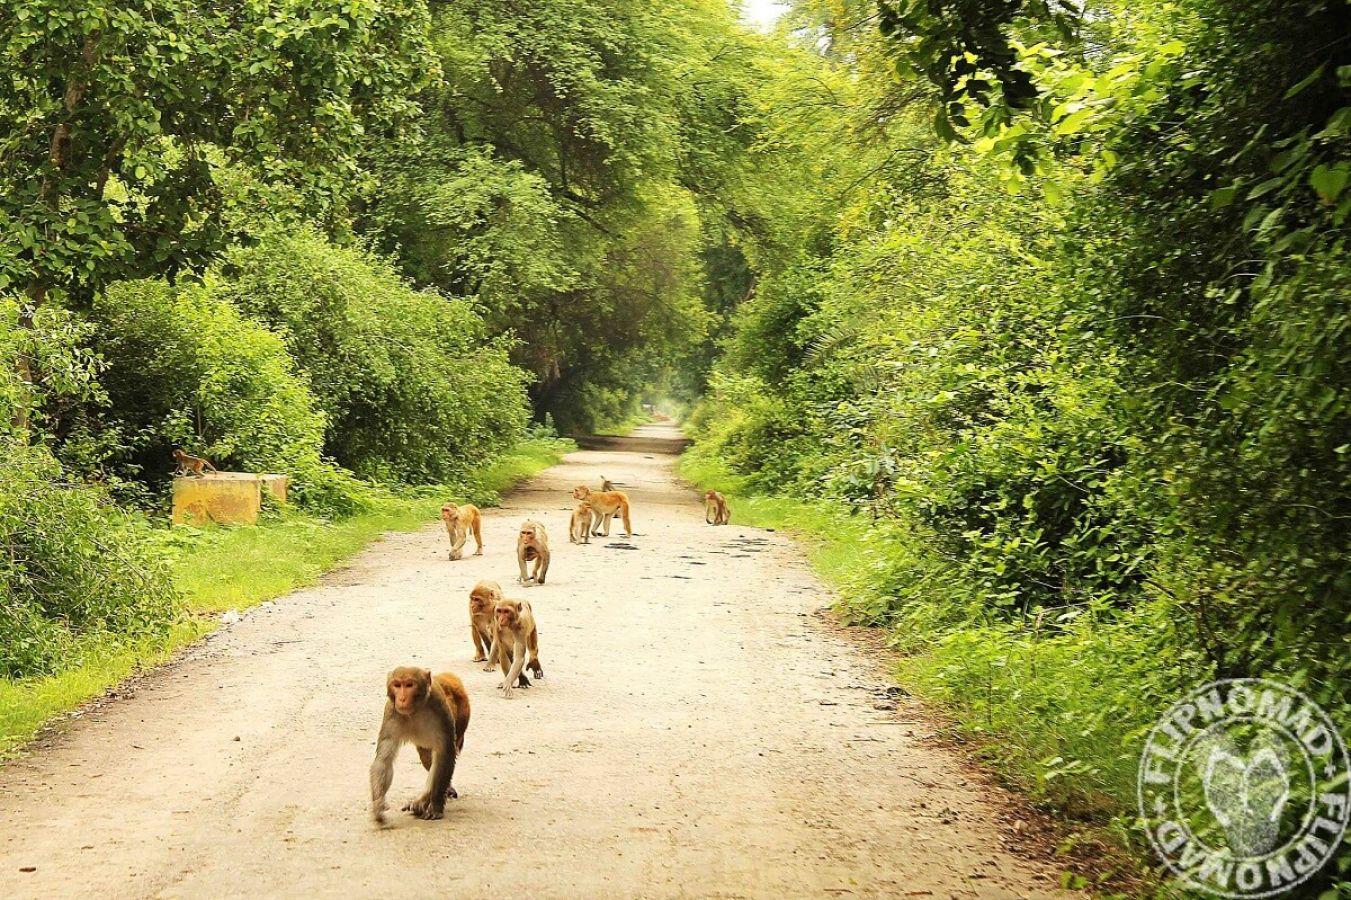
x=191 y=465
x=533 y=545
x=432 y=714
x=579 y=530
x=715 y=506
x=515 y=639
x=606 y=484
x=483 y=599
x=460 y=521
x=604 y=504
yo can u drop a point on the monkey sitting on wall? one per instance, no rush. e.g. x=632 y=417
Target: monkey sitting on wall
x=716 y=510
x=432 y=714
x=191 y=465
x=460 y=521
x=533 y=546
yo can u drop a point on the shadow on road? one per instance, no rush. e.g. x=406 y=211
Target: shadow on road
x=672 y=446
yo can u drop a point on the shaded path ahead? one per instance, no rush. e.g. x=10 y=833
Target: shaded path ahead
x=700 y=733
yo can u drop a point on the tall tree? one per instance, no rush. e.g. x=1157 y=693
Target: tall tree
x=116 y=116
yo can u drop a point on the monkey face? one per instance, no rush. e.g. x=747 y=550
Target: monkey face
x=528 y=534
x=506 y=616
x=408 y=688
x=479 y=603
x=581 y=492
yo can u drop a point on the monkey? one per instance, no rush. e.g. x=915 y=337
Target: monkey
x=191 y=465
x=533 y=544
x=433 y=715
x=607 y=485
x=603 y=506
x=460 y=521
x=483 y=599
x=579 y=530
x=715 y=505
x=515 y=639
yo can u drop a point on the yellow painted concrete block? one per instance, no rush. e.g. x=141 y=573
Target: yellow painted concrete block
x=226 y=498
x=276 y=485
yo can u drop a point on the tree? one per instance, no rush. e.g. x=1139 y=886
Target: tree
x=117 y=117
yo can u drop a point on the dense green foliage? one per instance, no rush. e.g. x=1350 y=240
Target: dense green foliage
x=1051 y=297
x=400 y=376
x=1078 y=353
x=551 y=183
x=72 y=566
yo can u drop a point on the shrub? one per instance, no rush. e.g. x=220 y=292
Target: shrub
x=185 y=368
x=412 y=389
x=72 y=566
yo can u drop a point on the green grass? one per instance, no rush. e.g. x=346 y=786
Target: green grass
x=221 y=568
x=625 y=426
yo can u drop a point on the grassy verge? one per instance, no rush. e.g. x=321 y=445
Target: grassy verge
x=1042 y=710
x=217 y=569
x=624 y=427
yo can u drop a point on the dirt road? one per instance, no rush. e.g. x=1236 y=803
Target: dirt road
x=700 y=733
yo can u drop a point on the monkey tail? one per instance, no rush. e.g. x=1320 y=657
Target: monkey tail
x=628 y=529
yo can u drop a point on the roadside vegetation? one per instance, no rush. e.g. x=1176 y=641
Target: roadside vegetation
x=1045 y=338
x=1039 y=306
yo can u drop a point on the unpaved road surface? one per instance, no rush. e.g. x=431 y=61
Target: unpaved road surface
x=701 y=732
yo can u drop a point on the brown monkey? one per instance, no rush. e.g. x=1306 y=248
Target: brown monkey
x=715 y=506
x=191 y=465
x=533 y=544
x=604 y=504
x=483 y=599
x=460 y=521
x=579 y=530
x=432 y=714
x=514 y=640
x=607 y=485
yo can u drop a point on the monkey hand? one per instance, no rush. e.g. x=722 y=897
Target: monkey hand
x=490 y=666
x=479 y=658
x=508 y=693
x=378 y=812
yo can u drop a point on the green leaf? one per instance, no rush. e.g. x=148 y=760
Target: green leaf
x=1223 y=197
x=1266 y=187
x=1329 y=181
x=1308 y=80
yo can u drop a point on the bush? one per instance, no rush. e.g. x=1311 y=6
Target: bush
x=185 y=368
x=73 y=566
x=412 y=389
